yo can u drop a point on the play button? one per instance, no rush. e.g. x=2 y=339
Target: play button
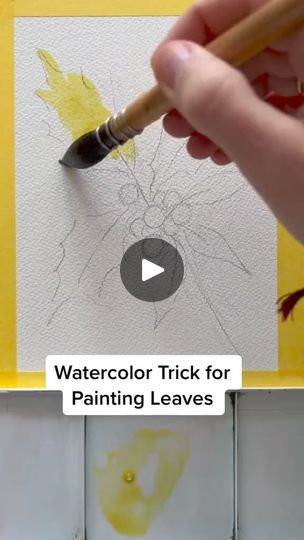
x=152 y=270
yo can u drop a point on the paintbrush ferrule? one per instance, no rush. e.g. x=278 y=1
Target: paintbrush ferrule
x=111 y=134
x=93 y=147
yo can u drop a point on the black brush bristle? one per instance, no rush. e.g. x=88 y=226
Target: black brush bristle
x=85 y=152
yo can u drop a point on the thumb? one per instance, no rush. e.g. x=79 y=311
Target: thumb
x=218 y=102
x=215 y=98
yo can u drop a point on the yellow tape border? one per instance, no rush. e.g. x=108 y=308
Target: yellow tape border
x=99 y=8
x=7 y=192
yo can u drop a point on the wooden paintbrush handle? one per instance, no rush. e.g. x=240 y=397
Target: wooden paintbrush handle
x=274 y=20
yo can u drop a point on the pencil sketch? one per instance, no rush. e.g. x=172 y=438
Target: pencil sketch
x=73 y=226
x=153 y=207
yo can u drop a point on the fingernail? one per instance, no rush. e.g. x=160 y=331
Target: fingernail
x=170 y=62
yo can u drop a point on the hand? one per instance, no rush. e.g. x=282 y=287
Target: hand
x=229 y=115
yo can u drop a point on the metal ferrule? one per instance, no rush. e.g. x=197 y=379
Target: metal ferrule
x=110 y=136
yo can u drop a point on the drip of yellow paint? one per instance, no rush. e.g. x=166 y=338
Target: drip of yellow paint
x=77 y=102
x=124 y=504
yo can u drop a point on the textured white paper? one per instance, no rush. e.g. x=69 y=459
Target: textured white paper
x=73 y=227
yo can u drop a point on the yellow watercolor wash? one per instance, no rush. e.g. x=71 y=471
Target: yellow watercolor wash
x=77 y=102
x=123 y=501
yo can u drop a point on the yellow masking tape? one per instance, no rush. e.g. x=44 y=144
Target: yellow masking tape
x=7 y=192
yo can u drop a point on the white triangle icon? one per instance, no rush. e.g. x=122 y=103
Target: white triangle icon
x=150 y=270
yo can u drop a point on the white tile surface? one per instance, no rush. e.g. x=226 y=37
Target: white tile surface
x=271 y=465
x=41 y=469
x=201 y=507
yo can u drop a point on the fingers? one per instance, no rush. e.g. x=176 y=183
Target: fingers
x=208 y=18
x=300 y=114
x=216 y=15
x=294 y=47
x=278 y=65
x=220 y=158
x=176 y=125
x=191 y=26
x=220 y=15
x=199 y=147
x=296 y=53
x=283 y=87
x=218 y=102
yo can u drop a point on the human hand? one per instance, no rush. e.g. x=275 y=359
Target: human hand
x=229 y=115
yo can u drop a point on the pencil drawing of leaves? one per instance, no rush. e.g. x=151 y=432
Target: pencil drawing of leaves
x=213 y=244
x=163 y=309
x=77 y=102
x=157 y=197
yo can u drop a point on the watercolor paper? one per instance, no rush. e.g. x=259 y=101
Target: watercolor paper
x=74 y=226
x=160 y=477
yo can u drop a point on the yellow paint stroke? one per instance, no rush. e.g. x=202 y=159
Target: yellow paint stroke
x=122 y=497
x=77 y=102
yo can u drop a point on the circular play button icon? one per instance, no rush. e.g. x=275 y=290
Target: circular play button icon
x=152 y=269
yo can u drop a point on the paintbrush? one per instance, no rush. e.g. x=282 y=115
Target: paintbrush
x=274 y=20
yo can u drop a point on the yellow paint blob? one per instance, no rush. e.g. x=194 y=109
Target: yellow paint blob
x=77 y=102
x=125 y=505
